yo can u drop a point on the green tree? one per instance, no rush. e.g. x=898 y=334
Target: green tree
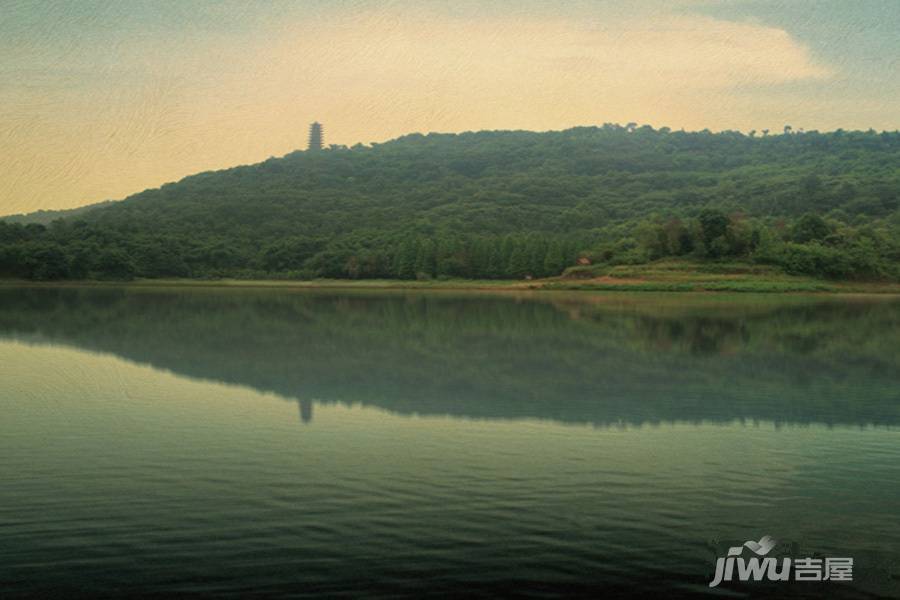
x=426 y=259
x=114 y=263
x=555 y=261
x=714 y=228
x=405 y=260
x=519 y=263
x=810 y=228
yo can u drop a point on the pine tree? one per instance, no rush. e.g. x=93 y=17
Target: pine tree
x=519 y=263
x=496 y=268
x=426 y=259
x=405 y=260
x=537 y=252
x=555 y=261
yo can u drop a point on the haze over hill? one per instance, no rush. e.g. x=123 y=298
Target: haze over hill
x=499 y=205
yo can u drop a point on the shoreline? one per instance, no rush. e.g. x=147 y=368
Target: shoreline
x=602 y=284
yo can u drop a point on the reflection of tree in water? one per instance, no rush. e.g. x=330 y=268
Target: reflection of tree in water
x=697 y=335
x=822 y=327
x=497 y=357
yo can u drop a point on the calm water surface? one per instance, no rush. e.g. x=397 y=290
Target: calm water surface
x=413 y=444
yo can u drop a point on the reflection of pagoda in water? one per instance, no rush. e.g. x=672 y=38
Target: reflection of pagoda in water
x=306 y=407
x=315 y=136
x=644 y=352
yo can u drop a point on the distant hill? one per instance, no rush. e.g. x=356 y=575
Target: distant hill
x=500 y=205
x=45 y=217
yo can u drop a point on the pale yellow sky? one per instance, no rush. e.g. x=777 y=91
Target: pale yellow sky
x=92 y=112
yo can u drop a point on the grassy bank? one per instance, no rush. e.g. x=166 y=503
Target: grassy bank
x=686 y=276
x=359 y=284
x=663 y=276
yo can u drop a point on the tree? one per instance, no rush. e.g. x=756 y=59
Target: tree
x=555 y=261
x=114 y=263
x=519 y=263
x=652 y=239
x=405 y=260
x=810 y=228
x=714 y=226
x=496 y=267
x=426 y=259
x=47 y=261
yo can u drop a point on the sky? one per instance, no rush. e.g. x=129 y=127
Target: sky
x=100 y=99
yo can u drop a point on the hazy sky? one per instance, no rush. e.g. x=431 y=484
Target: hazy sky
x=100 y=99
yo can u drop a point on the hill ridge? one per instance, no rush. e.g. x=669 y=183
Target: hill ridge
x=490 y=204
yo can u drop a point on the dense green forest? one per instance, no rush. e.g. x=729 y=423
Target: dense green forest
x=492 y=205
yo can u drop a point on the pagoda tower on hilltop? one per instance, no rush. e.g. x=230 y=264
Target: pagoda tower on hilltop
x=315 y=136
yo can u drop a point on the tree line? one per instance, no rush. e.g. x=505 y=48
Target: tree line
x=810 y=245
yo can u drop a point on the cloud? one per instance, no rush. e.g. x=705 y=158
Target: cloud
x=108 y=120
x=386 y=74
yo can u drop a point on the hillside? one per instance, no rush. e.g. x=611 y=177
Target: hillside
x=45 y=217
x=499 y=205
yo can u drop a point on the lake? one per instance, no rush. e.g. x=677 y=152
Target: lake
x=399 y=443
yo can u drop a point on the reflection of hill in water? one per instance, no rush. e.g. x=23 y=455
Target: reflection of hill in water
x=567 y=358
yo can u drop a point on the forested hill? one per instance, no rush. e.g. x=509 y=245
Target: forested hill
x=45 y=217
x=499 y=204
